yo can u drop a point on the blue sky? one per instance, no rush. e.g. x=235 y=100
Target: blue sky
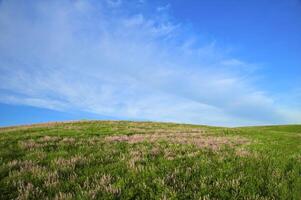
x=211 y=62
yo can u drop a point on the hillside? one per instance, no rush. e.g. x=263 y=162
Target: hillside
x=147 y=160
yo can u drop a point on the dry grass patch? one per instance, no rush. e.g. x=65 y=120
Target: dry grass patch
x=100 y=183
x=29 y=144
x=135 y=156
x=70 y=162
x=199 y=140
x=166 y=130
x=68 y=140
x=169 y=154
x=47 y=138
x=52 y=179
x=41 y=142
x=18 y=168
x=63 y=196
x=27 y=191
x=94 y=140
x=242 y=152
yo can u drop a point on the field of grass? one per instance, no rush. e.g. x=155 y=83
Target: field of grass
x=145 y=160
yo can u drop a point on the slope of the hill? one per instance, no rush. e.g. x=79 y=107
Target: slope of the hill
x=146 y=160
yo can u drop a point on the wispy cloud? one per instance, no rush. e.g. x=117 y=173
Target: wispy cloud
x=114 y=3
x=102 y=58
x=163 y=8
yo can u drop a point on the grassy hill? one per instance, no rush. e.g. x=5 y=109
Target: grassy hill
x=145 y=160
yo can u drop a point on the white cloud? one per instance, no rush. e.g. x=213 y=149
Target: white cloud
x=163 y=8
x=74 y=55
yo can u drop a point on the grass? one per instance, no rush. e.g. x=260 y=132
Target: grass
x=146 y=160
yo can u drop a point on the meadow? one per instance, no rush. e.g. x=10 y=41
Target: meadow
x=149 y=160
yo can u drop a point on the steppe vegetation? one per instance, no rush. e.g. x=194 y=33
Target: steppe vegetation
x=148 y=160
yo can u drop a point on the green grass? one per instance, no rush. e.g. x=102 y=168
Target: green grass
x=144 y=160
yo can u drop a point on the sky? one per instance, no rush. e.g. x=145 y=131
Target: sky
x=213 y=62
